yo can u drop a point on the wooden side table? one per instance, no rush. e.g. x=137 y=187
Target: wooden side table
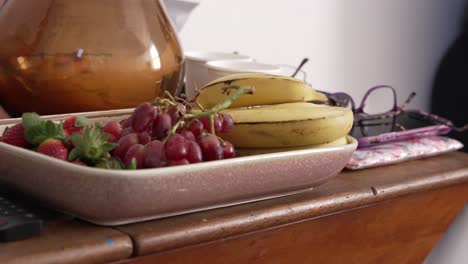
x=69 y=241
x=392 y=214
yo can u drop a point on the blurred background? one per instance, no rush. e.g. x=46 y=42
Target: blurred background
x=352 y=45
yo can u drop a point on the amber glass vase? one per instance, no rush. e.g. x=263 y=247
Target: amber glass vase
x=61 y=56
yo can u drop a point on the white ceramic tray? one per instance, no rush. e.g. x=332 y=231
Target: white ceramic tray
x=110 y=197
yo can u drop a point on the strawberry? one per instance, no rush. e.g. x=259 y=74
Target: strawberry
x=53 y=148
x=74 y=124
x=15 y=136
x=114 y=129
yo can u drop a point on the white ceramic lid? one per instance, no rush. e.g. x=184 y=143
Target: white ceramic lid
x=243 y=66
x=205 y=56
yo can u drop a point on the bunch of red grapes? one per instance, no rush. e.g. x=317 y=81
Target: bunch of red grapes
x=159 y=136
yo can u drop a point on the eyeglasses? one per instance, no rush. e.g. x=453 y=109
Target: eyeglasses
x=345 y=100
x=391 y=118
x=388 y=117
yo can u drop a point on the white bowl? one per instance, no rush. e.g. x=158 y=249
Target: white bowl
x=218 y=69
x=205 y=56
x=197 y=71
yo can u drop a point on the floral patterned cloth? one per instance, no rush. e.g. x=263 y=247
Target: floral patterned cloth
x=400 y=151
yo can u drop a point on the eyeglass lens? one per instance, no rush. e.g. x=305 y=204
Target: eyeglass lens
x=379 y=100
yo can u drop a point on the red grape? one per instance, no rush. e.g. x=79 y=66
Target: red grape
x=211 y=147
x=188 y=135
x=194 y=154
x=155 y=156
x=137 y=152
x=161 y=126
x=124 y=144
x=228 y=123
x=181 y=127
x=175 y=112
x=196 y=127
x=143 y=116
x=217 y=123
x=126 y=122
x=176 y=147
x=206 y=123
x=126 y=131
x=178 y=162
x=144 y=138
x=228 y=150
x=114 y=129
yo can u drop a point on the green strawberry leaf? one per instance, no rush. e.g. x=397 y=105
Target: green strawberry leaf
x=73 y=155
x=30 y=120
x=37 y=130
x=49 y=128
x=91 y=146
x=81 y=121
x=107 y=147
x=35 y=135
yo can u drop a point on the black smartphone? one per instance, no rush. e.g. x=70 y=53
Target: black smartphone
x=408 y=124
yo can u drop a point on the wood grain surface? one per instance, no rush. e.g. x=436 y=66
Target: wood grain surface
x=68 y=241
x=350 y=190
x=402 y=230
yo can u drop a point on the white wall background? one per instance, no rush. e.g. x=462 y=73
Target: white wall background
x=352 y=44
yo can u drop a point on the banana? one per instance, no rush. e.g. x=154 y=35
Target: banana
x=258 y=151
x=287 y=125
x=269 y=89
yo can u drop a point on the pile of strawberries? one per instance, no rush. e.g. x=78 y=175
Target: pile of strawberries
x=55 y=139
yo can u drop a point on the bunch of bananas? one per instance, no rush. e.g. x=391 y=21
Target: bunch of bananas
x=278 y=116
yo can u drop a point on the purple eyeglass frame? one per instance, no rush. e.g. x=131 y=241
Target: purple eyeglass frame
x=343 y=99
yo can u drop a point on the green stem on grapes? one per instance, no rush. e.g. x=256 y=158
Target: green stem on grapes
x=233 y=97
x=212 y=125
x=225 y=104
x=220 y=140
x=172 y=131
x=164 y=102
x=189 y=122
x=170 y=96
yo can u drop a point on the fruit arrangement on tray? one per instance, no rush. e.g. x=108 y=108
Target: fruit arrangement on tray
x=242 y=114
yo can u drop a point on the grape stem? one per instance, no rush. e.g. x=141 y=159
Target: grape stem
x=170 y=96
x=225 y=104
x=164 y=102
x=238 y=92
x=172 y=131
x=212 y=124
